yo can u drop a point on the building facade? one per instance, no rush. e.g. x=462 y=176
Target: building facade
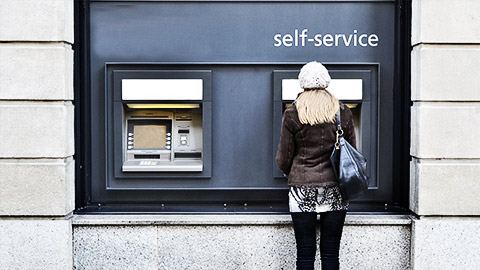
x=57 y=211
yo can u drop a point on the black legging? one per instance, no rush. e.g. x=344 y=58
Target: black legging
x=331 y=227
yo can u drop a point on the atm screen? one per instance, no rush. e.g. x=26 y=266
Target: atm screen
x=149 y=134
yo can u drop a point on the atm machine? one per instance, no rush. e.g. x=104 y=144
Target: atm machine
x=161 y=123
x=160 y=139
x=354 y=86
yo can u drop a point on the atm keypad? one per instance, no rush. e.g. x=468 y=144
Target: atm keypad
x=183 y=140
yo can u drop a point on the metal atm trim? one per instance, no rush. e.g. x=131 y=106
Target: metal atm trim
x=114 y=73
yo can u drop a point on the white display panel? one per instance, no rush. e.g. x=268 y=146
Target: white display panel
x=162 y=89
x=343 y=89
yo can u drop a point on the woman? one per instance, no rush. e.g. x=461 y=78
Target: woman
x=306 y=142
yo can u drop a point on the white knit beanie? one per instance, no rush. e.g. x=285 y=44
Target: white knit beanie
x=313 y=75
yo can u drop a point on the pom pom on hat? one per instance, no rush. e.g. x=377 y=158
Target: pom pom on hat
x=313 y=75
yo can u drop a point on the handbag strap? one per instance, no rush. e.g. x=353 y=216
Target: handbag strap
x=339 y=131
x=338 y=120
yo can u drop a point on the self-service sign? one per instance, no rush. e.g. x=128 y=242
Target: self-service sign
x=303 y=38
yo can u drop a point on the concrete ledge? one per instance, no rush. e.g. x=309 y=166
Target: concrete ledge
x=36 y=129
x=445 y=187
x=445 y=21
x=225 y=219
x=445 y=130
x=37 y=187
x=36 y=71
x=33 y=20
x=445 y=73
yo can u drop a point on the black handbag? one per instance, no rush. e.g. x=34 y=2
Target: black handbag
x=349 y=166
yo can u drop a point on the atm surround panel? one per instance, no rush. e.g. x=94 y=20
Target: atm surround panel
x=187 y=141
x=364 y=112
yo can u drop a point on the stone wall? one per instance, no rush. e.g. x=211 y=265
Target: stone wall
x=37 y=165
x=36 y=131
x=445 y=126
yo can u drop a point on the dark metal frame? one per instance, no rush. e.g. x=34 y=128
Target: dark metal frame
x=82 y=128
x=401 y=132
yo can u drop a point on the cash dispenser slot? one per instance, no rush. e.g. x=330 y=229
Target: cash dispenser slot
x=162 y=125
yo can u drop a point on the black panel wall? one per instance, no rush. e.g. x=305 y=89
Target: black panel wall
x=238 y=42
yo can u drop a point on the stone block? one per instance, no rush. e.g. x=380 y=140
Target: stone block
x=445 y=243
x=445 y=187
x=36 y=71
x=274 y=247
x=37 y=187
x=445 y=130
x=36 y=129
x=116 y=247
x=226 y=247
x=445 y=73
x=33 y=20
x=36 y=244
x=375 y=247
x=445 y=21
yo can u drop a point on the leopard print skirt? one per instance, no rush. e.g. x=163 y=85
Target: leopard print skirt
x=316 y=199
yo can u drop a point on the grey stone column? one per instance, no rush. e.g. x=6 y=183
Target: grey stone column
x=445 y=149
x=36 y=134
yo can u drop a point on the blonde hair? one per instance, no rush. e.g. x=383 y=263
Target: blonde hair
x=316 y=107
